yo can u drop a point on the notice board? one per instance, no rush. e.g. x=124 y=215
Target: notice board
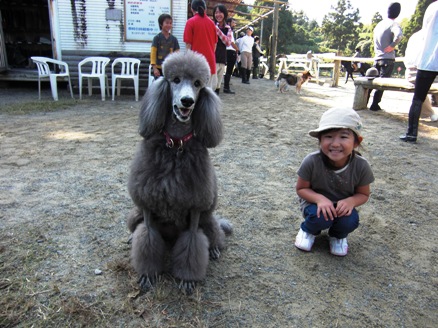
x=141 y=18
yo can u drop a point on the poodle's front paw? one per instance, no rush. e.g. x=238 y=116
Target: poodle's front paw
x=215 y=253
x=146 y=282
x=187 y=286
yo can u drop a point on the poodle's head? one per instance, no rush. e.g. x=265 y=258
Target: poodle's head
x=183 y=94
x=188 y=73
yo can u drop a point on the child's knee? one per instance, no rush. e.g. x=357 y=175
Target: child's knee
x=312 y=222
x=345 y=225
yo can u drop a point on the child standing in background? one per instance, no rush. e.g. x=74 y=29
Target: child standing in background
x=163 y=44
x=333 y=181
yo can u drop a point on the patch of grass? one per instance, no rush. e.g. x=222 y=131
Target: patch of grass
x=22 y=108
x=30 y=297
x=33 y=295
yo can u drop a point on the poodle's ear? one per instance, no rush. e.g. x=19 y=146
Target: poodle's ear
x=206 y=117
x=156 y=103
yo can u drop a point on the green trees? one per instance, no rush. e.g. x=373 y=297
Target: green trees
x=297 y=33
x=341 y=28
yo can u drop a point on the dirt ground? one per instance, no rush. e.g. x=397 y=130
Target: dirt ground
x=63 y=237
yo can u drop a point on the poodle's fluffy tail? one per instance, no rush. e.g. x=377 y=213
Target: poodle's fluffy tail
x=226 y=225
x=135 y=217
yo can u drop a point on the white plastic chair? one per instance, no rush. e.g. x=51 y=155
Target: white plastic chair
x=125 y=68
x=45 y=71
x=151 y=77
x=96 y=70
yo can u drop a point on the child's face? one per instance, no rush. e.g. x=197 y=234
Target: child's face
x=338 y=145
x=219 y=15
x=167 y=25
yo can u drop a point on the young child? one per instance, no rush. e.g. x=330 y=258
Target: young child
x=163 y=44
x=333 y=181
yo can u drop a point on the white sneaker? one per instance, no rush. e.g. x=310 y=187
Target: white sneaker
x=304 y=240
x=338 y=247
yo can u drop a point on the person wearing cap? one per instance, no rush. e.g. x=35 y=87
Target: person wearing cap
x=427 y=69
x=333 y=181
x=237 y=72
x=245 y=47
x=312 y=62
x=309 y=55
x=386 y=35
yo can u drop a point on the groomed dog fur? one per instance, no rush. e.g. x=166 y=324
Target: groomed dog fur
x=284 y=79
x=172 y=180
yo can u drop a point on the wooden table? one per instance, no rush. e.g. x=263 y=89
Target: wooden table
x=337 y=61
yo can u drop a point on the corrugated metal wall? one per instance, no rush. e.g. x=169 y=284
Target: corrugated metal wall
x=85 y=31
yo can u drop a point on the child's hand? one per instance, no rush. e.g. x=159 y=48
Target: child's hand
x=344 y=207
x=327 y=209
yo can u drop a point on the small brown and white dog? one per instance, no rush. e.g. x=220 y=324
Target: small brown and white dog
x=285 y=79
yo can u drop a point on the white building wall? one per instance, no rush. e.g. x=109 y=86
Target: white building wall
x=83 y=26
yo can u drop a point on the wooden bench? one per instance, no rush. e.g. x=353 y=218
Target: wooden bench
x=364 y=85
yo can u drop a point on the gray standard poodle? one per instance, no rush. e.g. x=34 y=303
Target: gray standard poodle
x=172 y=181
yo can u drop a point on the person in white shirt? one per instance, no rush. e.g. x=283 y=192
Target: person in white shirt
x=427 y=66
x=245 y=47
x=411 y=61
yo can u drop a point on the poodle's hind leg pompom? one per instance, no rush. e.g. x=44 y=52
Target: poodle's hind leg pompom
x=215 y=228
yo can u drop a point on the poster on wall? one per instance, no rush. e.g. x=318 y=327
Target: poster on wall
x=141 y=18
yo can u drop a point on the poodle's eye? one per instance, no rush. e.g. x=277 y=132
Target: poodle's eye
x=197 y=83
x=176 y=80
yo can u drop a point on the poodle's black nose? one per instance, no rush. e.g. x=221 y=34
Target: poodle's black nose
x=187 y=101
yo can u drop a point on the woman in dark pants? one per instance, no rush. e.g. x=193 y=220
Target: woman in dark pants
x=427 y=70
x=256 y=53
x=231 y=59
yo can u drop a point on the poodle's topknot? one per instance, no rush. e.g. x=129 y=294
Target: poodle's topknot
x=188 y=64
